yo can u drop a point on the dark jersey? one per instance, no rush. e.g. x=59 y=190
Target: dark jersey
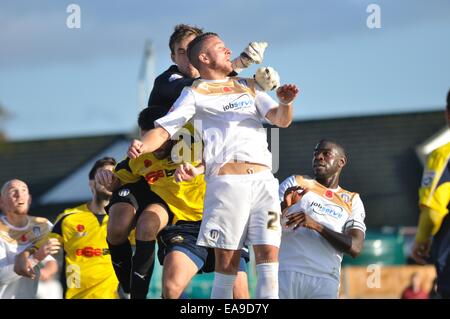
x=168 y=86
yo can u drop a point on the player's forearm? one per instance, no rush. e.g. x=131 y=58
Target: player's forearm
x=340 y=241
x=283 y=115
x=154 y=139
x=429 y=223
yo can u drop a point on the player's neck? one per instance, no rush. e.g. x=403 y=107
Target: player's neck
x=328 y=182
x=17 y=220
x=211 y=74
x=97 y=206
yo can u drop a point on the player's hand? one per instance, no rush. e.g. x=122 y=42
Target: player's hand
x=267 y=78
x=186 y=172
x=253 y=53
x=287 y=93
x=136 y=148
x=50 y=247
x=300 y=219
x=106 y=178
x=289 y=193
x=23 y=266
x=420 y=252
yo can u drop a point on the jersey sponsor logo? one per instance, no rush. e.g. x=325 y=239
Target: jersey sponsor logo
x=92 y=252
x=327 y=209
x=152 y=177
x=124 y=192
x=174 y=77
x=428 y=177
x=242 y=102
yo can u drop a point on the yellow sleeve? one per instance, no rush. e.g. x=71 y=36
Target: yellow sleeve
x=434 y=194
x=124 y=172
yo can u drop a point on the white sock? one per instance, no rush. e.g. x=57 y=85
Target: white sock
x=267 y=281
x=222 y=286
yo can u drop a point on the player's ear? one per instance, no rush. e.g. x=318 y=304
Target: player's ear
x=172 y=57
x=29 y=200
x=203 y=58
x=342 y=161
x=92 y=185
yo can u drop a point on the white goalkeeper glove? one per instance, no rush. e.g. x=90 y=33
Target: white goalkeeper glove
x=253 y=53
x=267 y=78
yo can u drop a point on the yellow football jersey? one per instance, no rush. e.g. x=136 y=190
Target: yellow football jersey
x=434 y=193
x=435 y=189
x=185 y=199
x=89 y=273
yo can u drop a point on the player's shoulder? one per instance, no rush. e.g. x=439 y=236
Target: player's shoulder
x=83 y=208
x=171 y=74
x=348 y=196
x=441 y=152
x=303 y=180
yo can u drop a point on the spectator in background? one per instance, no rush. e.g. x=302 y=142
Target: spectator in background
x=434 y=220
x=414 y=289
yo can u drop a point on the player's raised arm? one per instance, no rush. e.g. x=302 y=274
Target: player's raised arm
x=281 y=116
x=151 y=141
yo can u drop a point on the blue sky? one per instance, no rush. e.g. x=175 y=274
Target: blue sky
x=59 y=82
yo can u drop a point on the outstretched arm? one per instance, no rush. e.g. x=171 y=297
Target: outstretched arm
x=151 y=141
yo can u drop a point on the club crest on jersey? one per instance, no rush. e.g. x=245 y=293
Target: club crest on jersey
x=147 y=163
x=345 y=197
x=36 y=231
x=214 y=234
x=428 y=177
x=124 y=192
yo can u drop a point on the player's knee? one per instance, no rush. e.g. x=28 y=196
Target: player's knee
x=148 y=226
x=265 y=254
x=172 y=289
x=227 y=261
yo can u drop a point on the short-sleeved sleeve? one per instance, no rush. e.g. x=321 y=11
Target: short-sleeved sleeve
x=288 y=182
x=264 y=103
x=180 y=113
x=356 y=219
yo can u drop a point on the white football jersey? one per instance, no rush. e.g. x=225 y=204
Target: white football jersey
x=14 y=240
x=304 y=250
x=228 y=114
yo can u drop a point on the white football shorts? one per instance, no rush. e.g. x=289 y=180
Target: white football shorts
x=241 y=209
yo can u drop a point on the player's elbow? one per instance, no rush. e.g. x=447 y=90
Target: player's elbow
x=284 y=123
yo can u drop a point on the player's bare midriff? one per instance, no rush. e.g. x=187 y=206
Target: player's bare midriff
x=241 y=168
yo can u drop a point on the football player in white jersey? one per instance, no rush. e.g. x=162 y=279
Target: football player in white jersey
x=18 y=231
x=241 y=204
x=321 y=221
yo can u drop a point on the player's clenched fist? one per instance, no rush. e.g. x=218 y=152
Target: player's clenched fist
x=187 y=171
x=136 y=148
x=287 y=93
